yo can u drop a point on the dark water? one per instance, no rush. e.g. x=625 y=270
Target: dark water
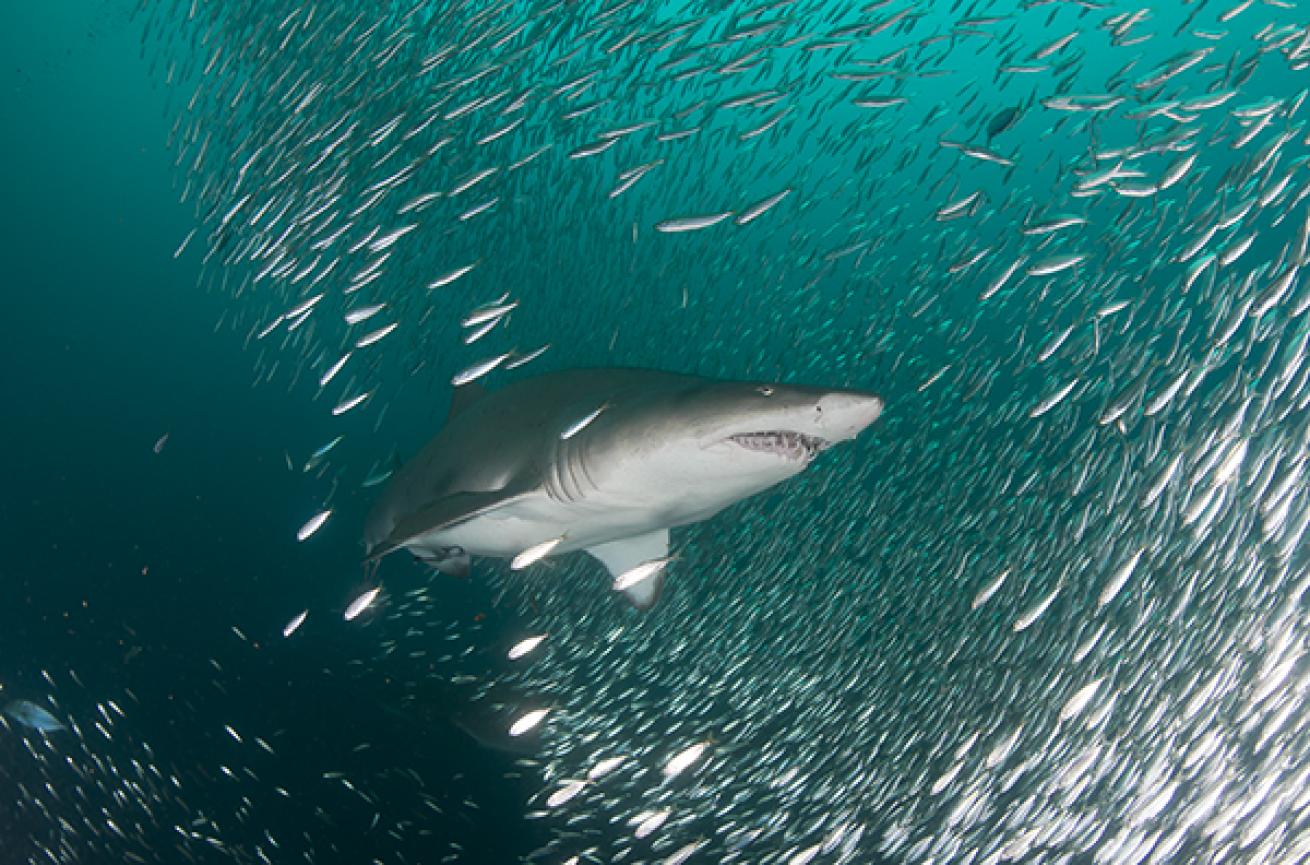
x=129 y=569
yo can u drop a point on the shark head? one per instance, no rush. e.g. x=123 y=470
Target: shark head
x=782 y=422
x=716 y=442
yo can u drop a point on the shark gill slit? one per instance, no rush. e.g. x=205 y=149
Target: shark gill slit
x=581 y=454
x=555 y=474
x=572 y=459
x=551 y=482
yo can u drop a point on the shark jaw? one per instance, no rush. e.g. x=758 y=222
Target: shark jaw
x=788 y=445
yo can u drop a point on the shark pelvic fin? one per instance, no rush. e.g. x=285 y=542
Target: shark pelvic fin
x=452 y=561
x=625 y=554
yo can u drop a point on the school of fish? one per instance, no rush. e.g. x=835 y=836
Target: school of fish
x=1051 y=609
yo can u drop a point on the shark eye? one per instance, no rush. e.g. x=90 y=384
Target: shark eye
x=765 y=390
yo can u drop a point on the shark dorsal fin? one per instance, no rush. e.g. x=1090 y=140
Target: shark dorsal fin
x=464 y=396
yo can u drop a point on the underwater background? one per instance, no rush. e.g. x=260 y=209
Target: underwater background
x=1050 y=608
x=130 y=569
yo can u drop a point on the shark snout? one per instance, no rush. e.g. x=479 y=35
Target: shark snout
x=843 y=415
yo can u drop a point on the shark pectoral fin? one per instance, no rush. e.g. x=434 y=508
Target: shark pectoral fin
x=449 y=510
x=625 y=554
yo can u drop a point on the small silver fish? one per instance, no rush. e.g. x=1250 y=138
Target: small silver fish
x=292 y=626
x=535 y=553
x=313 y=525
x=640 y=573
x=755 y=211
x=352 y=402
x=361 y=603
x=524 y=647
x=479 y=369
x=582 y=423
x=691 y=223
x=528 y=721
x=450 y=276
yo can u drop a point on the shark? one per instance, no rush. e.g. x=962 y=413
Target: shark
x=605 y=460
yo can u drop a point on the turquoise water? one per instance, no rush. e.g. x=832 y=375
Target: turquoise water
x=1050 y=606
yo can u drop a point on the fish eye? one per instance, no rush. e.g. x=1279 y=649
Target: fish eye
x=765 y=390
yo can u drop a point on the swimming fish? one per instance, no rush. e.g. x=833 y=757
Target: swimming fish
x=31 y=715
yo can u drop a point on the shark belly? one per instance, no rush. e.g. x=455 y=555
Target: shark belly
x=507 y=531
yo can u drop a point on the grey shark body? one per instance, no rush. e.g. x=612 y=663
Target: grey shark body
x=602 y=460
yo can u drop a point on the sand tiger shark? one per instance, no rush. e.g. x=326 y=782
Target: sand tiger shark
x=602 y=460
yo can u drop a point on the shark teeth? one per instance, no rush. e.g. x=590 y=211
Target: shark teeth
x=790 y=445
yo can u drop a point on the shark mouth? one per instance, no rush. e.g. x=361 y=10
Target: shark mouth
x=788 y=445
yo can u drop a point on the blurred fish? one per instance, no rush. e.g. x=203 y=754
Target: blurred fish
x=1003 y=121
x=316 y=458
x=378 y=475
x=32 y=716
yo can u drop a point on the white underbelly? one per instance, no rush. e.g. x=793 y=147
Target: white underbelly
x=505 y=532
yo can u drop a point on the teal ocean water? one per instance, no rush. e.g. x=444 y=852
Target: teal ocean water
x=1049 y=606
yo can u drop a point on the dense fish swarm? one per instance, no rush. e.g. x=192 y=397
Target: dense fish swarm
x=90 y=782
x=1054 y=606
